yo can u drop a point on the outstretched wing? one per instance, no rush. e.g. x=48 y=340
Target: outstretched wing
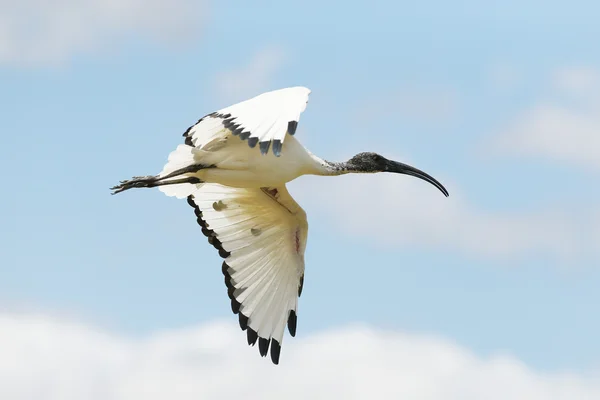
x=261 y=234
x=264 y=120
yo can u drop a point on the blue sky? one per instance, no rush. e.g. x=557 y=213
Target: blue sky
x=497 y=102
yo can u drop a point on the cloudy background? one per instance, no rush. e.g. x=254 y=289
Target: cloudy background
x=491 y=293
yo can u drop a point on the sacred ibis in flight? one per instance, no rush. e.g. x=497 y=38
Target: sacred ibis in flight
x=240 y=199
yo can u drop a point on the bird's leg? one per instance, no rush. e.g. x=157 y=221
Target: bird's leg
x=149 y=182
x=153 y=181
x=190 y=169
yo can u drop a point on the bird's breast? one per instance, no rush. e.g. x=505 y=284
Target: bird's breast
x=269 y=172
x=241 y=166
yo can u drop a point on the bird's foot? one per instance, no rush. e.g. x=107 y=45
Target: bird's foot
x=135 y=182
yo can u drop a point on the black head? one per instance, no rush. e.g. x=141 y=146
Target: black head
x=368 y=162
x=373 y=162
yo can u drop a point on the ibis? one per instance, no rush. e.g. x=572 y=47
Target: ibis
x=233 y=168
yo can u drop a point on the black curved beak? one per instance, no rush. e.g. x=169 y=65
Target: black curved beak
x=400 y=168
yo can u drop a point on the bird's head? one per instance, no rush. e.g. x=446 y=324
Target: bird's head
x=372 y=162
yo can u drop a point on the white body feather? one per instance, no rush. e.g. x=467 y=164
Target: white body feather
x=238 y=165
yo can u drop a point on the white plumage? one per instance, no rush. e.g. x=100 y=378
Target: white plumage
x=233 y=169
x=261 y=233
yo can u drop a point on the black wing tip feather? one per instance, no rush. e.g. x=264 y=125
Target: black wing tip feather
x=275 y=351
x=245 y=135
x=251 y=334
x=263 y=346
x=277 y=145
x=243 y=321
x=292 y=322
x=291 y=129
x=264 y=147
x=252 y=142
x=301 y=286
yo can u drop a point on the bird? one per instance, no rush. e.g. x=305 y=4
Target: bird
x=232 y=169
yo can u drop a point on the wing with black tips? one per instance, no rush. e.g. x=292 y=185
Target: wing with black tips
x=264 y=120
x=261 y=234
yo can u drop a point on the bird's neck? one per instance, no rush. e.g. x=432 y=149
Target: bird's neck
x=329 y=168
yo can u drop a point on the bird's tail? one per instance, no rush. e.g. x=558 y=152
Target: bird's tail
x=177 y=177
x=180 y=158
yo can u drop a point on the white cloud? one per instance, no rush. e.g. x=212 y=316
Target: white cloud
x=34 y=32
x=252 y=78
x=556 y=133
x=577 y=80
x=567 y=130
x=396 y=211
x=52 y=359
